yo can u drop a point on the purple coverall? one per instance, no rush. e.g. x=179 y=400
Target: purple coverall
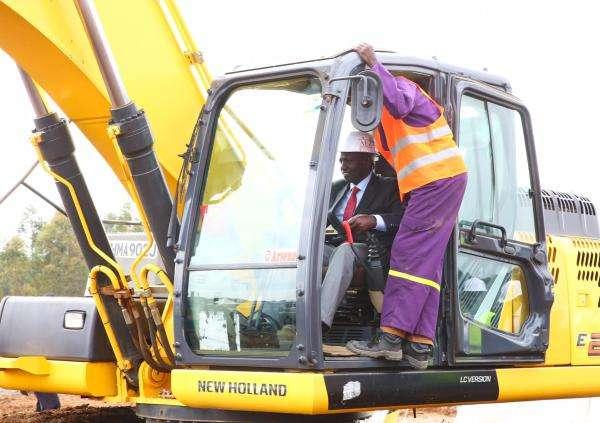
x=411 y=303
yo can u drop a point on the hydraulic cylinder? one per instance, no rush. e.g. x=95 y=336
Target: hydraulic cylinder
x=57 y=150
x=133 y=136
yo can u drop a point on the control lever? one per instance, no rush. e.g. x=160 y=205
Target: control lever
x=373 y=265
x=349 y=237
x=376 y=279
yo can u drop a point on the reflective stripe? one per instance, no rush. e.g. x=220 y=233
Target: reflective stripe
x=421 y=138
x=416 y=279
x=427 y=160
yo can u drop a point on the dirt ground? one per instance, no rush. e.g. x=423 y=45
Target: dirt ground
x=16 y=407
x=427 y=415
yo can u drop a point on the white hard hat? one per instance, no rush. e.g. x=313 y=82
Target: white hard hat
x=474 y=285
x=358 y=142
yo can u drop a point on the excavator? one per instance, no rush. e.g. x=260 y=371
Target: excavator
x=231 y=177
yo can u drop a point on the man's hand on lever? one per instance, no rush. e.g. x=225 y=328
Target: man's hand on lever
x=366 y=52
x=362 y=223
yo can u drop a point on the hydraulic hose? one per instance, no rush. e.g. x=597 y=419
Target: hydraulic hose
x=153 y=340
x=144 y=347
x=152 y=304
x=122 y=362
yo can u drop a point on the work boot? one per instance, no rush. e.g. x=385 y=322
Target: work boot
x=417 y=355
x=383 y=345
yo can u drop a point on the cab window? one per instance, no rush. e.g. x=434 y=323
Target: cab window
x=493 y=294
x=499 y=188
x=241 y=296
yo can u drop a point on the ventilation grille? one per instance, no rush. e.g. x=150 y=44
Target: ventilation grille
x=588 y=262
x=568 y=214
x=552 y=264
x=571 y=203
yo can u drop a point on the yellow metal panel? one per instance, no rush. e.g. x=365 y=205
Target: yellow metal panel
x=47 y=39
x=33 y=365
x=559 y=349
x=548 y=383
x=301 y=393
x=583 y=274
x=65 y=377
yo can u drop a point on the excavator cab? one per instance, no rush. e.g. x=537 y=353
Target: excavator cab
x=243 y=312
x=249 y=265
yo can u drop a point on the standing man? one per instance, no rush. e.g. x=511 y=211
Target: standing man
x=416 y=140
x=369 y=203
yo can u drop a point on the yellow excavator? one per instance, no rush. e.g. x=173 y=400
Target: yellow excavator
x=232 y=179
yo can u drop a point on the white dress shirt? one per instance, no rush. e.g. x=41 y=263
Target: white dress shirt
x=341 y=206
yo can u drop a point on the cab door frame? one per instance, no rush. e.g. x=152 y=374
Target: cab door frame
x=301 y=354
x=530 y=344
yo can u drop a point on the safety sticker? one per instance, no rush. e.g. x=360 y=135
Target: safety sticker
x=351 y=390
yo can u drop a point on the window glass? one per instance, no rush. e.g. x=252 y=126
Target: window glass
x=512 y=192
x=242 y=282
x=499 y=188
x=245 y=311
x=476 y=144
x=492 y=293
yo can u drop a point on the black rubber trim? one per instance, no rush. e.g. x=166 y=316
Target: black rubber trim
x=370 y=389
x=169 y=413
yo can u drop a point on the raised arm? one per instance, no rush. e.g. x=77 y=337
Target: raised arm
x=401 y=97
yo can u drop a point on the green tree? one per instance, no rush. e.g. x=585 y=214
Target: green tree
x=15 y=269
x=123 y=215
x=44 y=260
x=58 y=266
x=30 y=226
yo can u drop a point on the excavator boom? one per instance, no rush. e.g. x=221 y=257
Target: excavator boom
x=161 y=70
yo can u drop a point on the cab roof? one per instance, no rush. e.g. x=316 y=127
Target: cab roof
x=388 y=58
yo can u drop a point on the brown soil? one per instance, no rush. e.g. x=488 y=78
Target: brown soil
x=427 y=415
x=15 y=407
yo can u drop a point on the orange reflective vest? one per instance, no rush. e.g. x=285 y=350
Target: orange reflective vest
x=418 y=155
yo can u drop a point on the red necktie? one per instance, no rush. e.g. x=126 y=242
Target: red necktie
x=351 y=204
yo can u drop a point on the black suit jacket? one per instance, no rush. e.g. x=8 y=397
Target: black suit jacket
x=380 y=197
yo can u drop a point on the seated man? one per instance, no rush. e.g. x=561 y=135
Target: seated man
x=368 y=202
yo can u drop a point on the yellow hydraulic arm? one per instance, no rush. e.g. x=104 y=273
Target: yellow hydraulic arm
x=154 y=53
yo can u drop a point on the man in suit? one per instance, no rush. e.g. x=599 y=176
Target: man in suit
x=368 y=202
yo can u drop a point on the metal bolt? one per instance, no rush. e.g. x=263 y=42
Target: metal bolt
x=322 y=107
x=300 y=347
x=178 y=294
x=301 y=257
x=178 y=356
x=176 y=344
x=540 y=256
x=178 y=260
x=302 y=360
x=300 y=292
